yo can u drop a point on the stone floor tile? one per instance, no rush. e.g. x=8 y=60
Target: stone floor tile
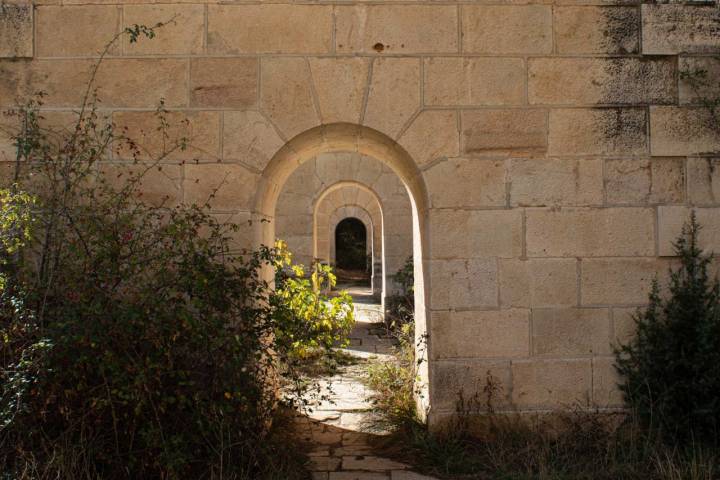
x=371 y=463
x=359 y=476
x=324 y=464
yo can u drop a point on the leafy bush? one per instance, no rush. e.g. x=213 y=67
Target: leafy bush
x=670 y=368
x=135 y=341
x=306 y=319
x=400 y=307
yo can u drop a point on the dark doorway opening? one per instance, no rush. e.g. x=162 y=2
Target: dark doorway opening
x=352 y=261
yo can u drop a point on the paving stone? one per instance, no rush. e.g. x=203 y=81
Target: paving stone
x=324 y=464
x=371 y=463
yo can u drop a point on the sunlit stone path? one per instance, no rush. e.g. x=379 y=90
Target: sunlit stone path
x=337 y=426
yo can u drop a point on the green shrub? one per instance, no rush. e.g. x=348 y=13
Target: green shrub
x=670 y=369
x=130 y=332
x=307 y=320
x=400 y=307
x=135 y=341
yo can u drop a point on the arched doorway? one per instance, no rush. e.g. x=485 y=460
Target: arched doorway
x=344 y=137
x=353 y=254
x=345 y=199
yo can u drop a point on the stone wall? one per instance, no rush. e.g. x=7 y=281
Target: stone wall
x=552 y=149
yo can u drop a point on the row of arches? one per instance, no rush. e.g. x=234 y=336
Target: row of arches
x=281 y=204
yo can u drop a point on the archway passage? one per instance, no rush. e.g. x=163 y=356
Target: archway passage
x=321 y=178
x=350 y=139
x=352 y=252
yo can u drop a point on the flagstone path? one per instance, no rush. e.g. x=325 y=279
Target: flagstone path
x=337 y=426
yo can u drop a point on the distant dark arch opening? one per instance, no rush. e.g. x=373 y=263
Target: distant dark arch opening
x=352 y=257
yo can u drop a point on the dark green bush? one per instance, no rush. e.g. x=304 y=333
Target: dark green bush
x=671 y=367
x=135 y=342
x=130 y=331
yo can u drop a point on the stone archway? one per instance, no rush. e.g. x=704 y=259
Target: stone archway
x=345 y=137
x=350 y=199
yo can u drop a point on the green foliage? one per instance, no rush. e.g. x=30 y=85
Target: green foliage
x=135 y=341
x=670 y=368
x=400 y=307
x=124 y=328
x=307 y=320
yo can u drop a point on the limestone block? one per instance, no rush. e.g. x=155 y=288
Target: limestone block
x=624 y=327
x=681 y=131
x=590 y=232
x=160 y=185
x=16 y=30
x=606 y=392
x=396 y=29
x=474 y=81
x=394 y=94
x=10 y=125
x=340 y=87
x=58 y=125
x=644 y=180
x=599 y=131
x=526 y=29
x=291 y=203
x=398 y=246
x=7 y=171
x=703 y=181
x=270 y=28
x=538 y=282
x=244 y=238
x=463 y=182
x=133 y=83
x=250 y=138
x=182 y=34
x=387 y=185
x=190 y=135
x=594 y=29
x=469 y=377
x=565 y=332
x=696 y=90
x=553 y=181
x=463 y=283
x=507 y=132
x=301 y=248
x=286 y=94
x=618 y=281
x=224 y=186
x=224 y=82
x=551 y=383
x=84 y=30
x=589 y=81
x=293 y=225
x=62 y=81
x=672 y=219
x=476 y=233
x=480 y=334
x=678 y=28
x=433 y=134
x=368 y=170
